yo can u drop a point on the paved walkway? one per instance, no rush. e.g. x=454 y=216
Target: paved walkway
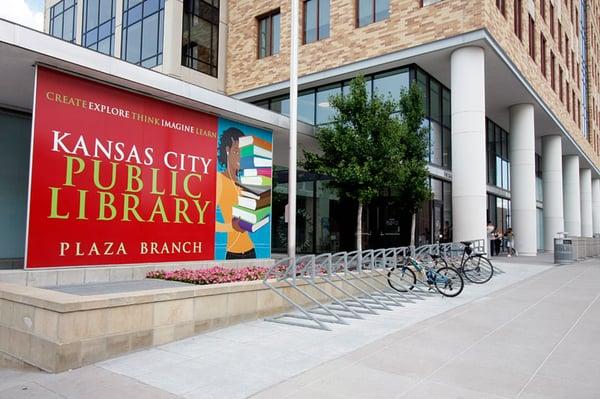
x=530 y=333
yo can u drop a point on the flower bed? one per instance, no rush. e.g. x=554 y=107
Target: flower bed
x=214 y=275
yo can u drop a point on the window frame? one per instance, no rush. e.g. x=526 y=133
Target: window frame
x=317 y=21
x=500 y=5
x=531 y=38
x=518 y=19
x=543 y=44
x=85 y=30
x=269 y=16
x=373 y=13
x=160 y=12
x=187 y=60
x=54 y=16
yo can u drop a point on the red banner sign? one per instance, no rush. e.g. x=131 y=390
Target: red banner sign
x=117 y=177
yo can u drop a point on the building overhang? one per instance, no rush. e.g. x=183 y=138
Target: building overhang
x=22 y=48
x=507 y=86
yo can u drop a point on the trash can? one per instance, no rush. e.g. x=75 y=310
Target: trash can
x=564 y=251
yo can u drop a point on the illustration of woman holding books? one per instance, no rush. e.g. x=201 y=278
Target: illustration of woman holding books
x=239 y=244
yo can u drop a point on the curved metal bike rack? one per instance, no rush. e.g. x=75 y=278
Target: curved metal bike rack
x=333 y=287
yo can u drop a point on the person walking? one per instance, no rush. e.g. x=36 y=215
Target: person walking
x=491 y=238
x=510 y=242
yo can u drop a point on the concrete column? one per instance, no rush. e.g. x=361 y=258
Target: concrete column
x=596 y=206
x=585 y=181
x=468 y=144
x=571 y=195
x=552 y=179
x=173 y=27
x=522 y=178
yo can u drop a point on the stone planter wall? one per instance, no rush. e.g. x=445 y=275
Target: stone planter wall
x=56 y=331
x=87 y=275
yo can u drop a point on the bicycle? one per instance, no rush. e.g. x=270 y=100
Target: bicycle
x=474 y=265
x=447 y=280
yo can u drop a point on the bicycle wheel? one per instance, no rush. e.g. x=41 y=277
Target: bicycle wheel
x=402 y=279
x=448 y=281
x=478 y=269
x=439 y=263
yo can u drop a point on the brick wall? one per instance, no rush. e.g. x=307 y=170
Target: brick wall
x=410 y=25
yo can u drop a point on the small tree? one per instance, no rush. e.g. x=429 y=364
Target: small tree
x=362 y=147
x=411 y=185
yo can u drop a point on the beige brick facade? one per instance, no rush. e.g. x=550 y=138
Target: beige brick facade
x=593 y=72
x=410 y=25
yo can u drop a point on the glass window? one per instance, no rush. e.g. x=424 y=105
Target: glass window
x=435 y=97
x=200 y=39
x=281 y=105
x=382 y=9
x=262 y=104
x=436 y=189
x=324 y=110
x=446 y=110
x=422 y=83
x=306 y=107
x=62 y=20
x=370 y=11
x=143 y=24
x=368 y=86
x=391 y=83
x=268 y=34
x=98 y=25
x=436 y=144
x=316 y=20
x=446 y=149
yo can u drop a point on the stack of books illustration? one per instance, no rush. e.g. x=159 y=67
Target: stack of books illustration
x=253 y=208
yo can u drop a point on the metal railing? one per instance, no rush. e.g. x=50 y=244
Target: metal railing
x=330 y=288
x=571 y=249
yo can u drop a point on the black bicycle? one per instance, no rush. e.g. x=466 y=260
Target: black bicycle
x=474 y=265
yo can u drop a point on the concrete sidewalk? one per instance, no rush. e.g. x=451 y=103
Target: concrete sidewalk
x=530 y=331
x=536 y=339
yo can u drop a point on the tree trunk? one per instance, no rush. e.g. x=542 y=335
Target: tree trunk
x=359 y=226
x=413 y=227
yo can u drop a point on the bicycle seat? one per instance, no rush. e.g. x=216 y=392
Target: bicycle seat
x=434 y=256
x=466 y=243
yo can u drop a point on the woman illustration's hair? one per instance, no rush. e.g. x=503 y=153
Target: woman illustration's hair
x=227 y=138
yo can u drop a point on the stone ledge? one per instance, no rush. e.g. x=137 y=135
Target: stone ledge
x=56 y=331
x=105 y=273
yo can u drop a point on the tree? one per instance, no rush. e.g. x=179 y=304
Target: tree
x=362 y=147
x=412 y=186
x=372 y=144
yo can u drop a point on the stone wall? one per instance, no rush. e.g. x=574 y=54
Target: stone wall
x=56 y=331
x=94 y=274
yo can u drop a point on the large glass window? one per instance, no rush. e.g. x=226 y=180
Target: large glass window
x=391 y=83
x=200 y=41
x=143 y=24
x=316 y=20
x=99 y=25
x=324 y=110
x=370 y=11
x=497 y=156
x=62 y=20
x=269 y=34
x=314 y=107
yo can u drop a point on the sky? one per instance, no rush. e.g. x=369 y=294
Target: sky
x=25 y=12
